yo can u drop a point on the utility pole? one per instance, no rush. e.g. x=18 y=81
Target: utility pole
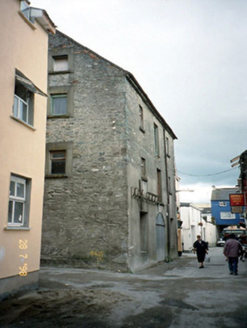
x=243 y=177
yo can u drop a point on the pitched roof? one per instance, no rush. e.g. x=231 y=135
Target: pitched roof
x=131 y=79
x=223 y=193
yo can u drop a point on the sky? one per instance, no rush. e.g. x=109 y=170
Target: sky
x=189 y=56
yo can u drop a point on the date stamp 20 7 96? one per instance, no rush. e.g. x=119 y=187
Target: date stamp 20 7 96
x=23 y=246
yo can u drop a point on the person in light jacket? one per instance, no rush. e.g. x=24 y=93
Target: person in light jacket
x=201 y=249
x=232 y=250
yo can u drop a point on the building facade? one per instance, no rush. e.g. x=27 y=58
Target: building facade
x=209 y=224
x=221 y=209
x=192 y=225
x=110 y=177
x=23 y=84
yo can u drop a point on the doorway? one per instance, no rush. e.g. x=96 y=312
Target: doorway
x=160 y=237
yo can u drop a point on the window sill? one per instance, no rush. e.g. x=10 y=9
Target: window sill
x=59 y=72
x=23 y=123
x=56 y=176
x=27 y=21
x=58 y=116
x=141 y=129
x=9 y=228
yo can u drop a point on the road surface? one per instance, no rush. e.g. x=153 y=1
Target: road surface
x=174 y=295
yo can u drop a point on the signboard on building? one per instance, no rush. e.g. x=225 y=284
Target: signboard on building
x=237 y=209
x=236 y=200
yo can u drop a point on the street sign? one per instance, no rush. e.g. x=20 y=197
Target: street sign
x=237 y=209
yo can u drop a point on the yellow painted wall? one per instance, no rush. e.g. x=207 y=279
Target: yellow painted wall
x=22 y=149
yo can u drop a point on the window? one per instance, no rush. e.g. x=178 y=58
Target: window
x=227 y=216
x=156 y=140
x=169 y=185
x=60 y=63
x=59 y=158
x=222 y=204
x=23 y=104
x=23 y=108
x=141 y=118
x=143 y=167
x=19 y=192
x=159 y=186
x=58 y=161
x=59 y=104
x=167 y=146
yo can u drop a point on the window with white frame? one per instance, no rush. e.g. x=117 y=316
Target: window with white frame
x=23 y=104
x=222 y=204
x=23 y=107
x=18 y=201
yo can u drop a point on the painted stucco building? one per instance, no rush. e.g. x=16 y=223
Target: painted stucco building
x=192 y=226
x=210 y=233
x=197 y=220
x=221 y=209
x=23 y=85
x=110 y=176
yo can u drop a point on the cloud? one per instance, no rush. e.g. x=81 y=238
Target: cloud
x=189 y=57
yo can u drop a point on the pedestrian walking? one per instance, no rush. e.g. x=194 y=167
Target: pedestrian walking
x=201 y=249
x=232 y=250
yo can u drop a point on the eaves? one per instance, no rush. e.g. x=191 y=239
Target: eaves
x=131 y=79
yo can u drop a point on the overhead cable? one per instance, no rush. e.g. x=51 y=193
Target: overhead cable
x=206 y=175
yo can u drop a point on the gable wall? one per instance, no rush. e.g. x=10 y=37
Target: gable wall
x=85 y=215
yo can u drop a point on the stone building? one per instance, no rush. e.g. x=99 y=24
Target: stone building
x=110 y=180
x=23 y=85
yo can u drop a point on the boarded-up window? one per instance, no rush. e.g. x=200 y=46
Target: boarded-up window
x=60 y=63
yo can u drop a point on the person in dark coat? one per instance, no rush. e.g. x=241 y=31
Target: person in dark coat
x=201 y=249
x=232 y=250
